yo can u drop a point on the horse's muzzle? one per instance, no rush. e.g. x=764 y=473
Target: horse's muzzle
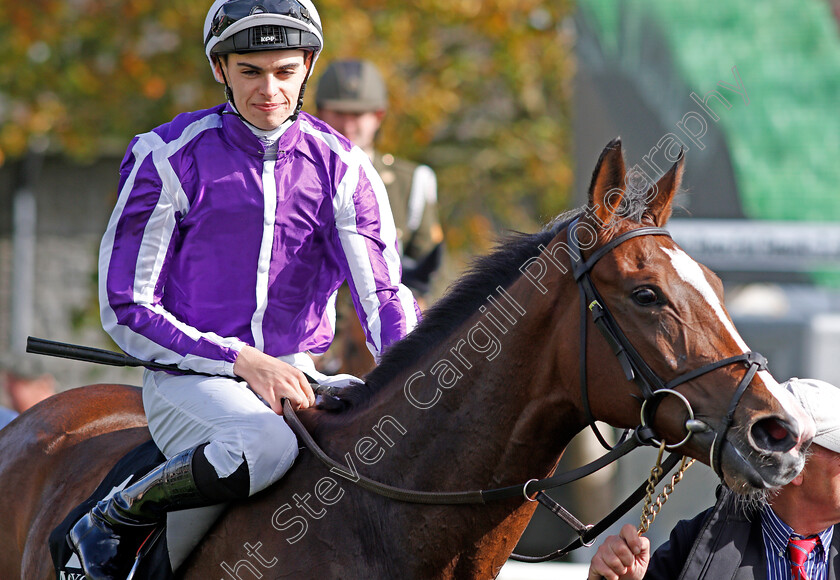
x=767 y=454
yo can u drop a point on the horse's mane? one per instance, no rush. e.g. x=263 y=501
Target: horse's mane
x=461 y=300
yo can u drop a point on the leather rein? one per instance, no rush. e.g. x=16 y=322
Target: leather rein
x=635 y=369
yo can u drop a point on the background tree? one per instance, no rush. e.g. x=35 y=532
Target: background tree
x=480 y=89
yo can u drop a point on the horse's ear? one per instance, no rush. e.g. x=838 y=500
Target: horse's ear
x=662 y=194
x=606 y=191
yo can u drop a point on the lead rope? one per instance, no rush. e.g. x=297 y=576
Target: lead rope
x=651 y=508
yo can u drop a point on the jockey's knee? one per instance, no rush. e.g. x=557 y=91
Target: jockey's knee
x=273 y=449
x=264 y=443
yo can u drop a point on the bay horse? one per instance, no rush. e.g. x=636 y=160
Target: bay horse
x=484 y=393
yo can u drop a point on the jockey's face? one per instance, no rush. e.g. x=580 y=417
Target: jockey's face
x=266 y=84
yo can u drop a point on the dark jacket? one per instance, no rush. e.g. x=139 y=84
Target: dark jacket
x=722 y=543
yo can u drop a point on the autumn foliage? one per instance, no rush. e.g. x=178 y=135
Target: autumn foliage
x=480 y=89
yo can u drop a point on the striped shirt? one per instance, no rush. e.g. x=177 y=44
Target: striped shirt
x=776 y=533
x=216 y=242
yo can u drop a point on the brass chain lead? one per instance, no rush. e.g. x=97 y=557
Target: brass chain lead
x=651 y=508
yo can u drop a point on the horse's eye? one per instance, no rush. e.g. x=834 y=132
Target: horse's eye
x=645 y=296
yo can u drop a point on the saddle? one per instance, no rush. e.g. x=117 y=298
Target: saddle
x=167 y=545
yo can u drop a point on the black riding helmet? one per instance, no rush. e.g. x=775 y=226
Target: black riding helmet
x=242 y=26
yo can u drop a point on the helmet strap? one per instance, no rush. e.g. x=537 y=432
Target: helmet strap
x=294 y=115
x=229 y=94
x=228 y=90
x=310 y=57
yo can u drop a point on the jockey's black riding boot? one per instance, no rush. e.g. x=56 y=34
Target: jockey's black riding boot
x=107 y=538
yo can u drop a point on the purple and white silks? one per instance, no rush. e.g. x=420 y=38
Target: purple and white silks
x=214 y=244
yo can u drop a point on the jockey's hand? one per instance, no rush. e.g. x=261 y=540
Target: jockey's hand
x=273 y=380
x=622 y=557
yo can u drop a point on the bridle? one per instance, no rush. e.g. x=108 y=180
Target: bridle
x=635 y=368
x=652 y=387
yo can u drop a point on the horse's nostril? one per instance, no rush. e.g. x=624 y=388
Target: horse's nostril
x=775 y=430
x=772 y=435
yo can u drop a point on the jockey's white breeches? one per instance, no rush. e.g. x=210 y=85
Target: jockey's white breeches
x=185 y=411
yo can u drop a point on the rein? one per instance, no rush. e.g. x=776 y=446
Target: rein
x=586 y=533
x=458 y=497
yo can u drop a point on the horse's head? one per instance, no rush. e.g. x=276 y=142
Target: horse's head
x=670 y=310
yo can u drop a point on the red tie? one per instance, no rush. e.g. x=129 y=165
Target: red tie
x=799 y=550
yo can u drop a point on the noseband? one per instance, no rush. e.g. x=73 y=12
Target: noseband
x=652 y=387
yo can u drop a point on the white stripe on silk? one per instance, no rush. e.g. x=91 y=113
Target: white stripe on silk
x=152 y=254
x=269 y=185
x=354 y=245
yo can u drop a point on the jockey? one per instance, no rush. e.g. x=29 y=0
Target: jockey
x=233 y=230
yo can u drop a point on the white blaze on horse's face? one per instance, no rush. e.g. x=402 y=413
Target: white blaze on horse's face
x=691 y=272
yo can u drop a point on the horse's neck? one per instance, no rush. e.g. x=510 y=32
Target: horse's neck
x=491 y=400
x=491 y=406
